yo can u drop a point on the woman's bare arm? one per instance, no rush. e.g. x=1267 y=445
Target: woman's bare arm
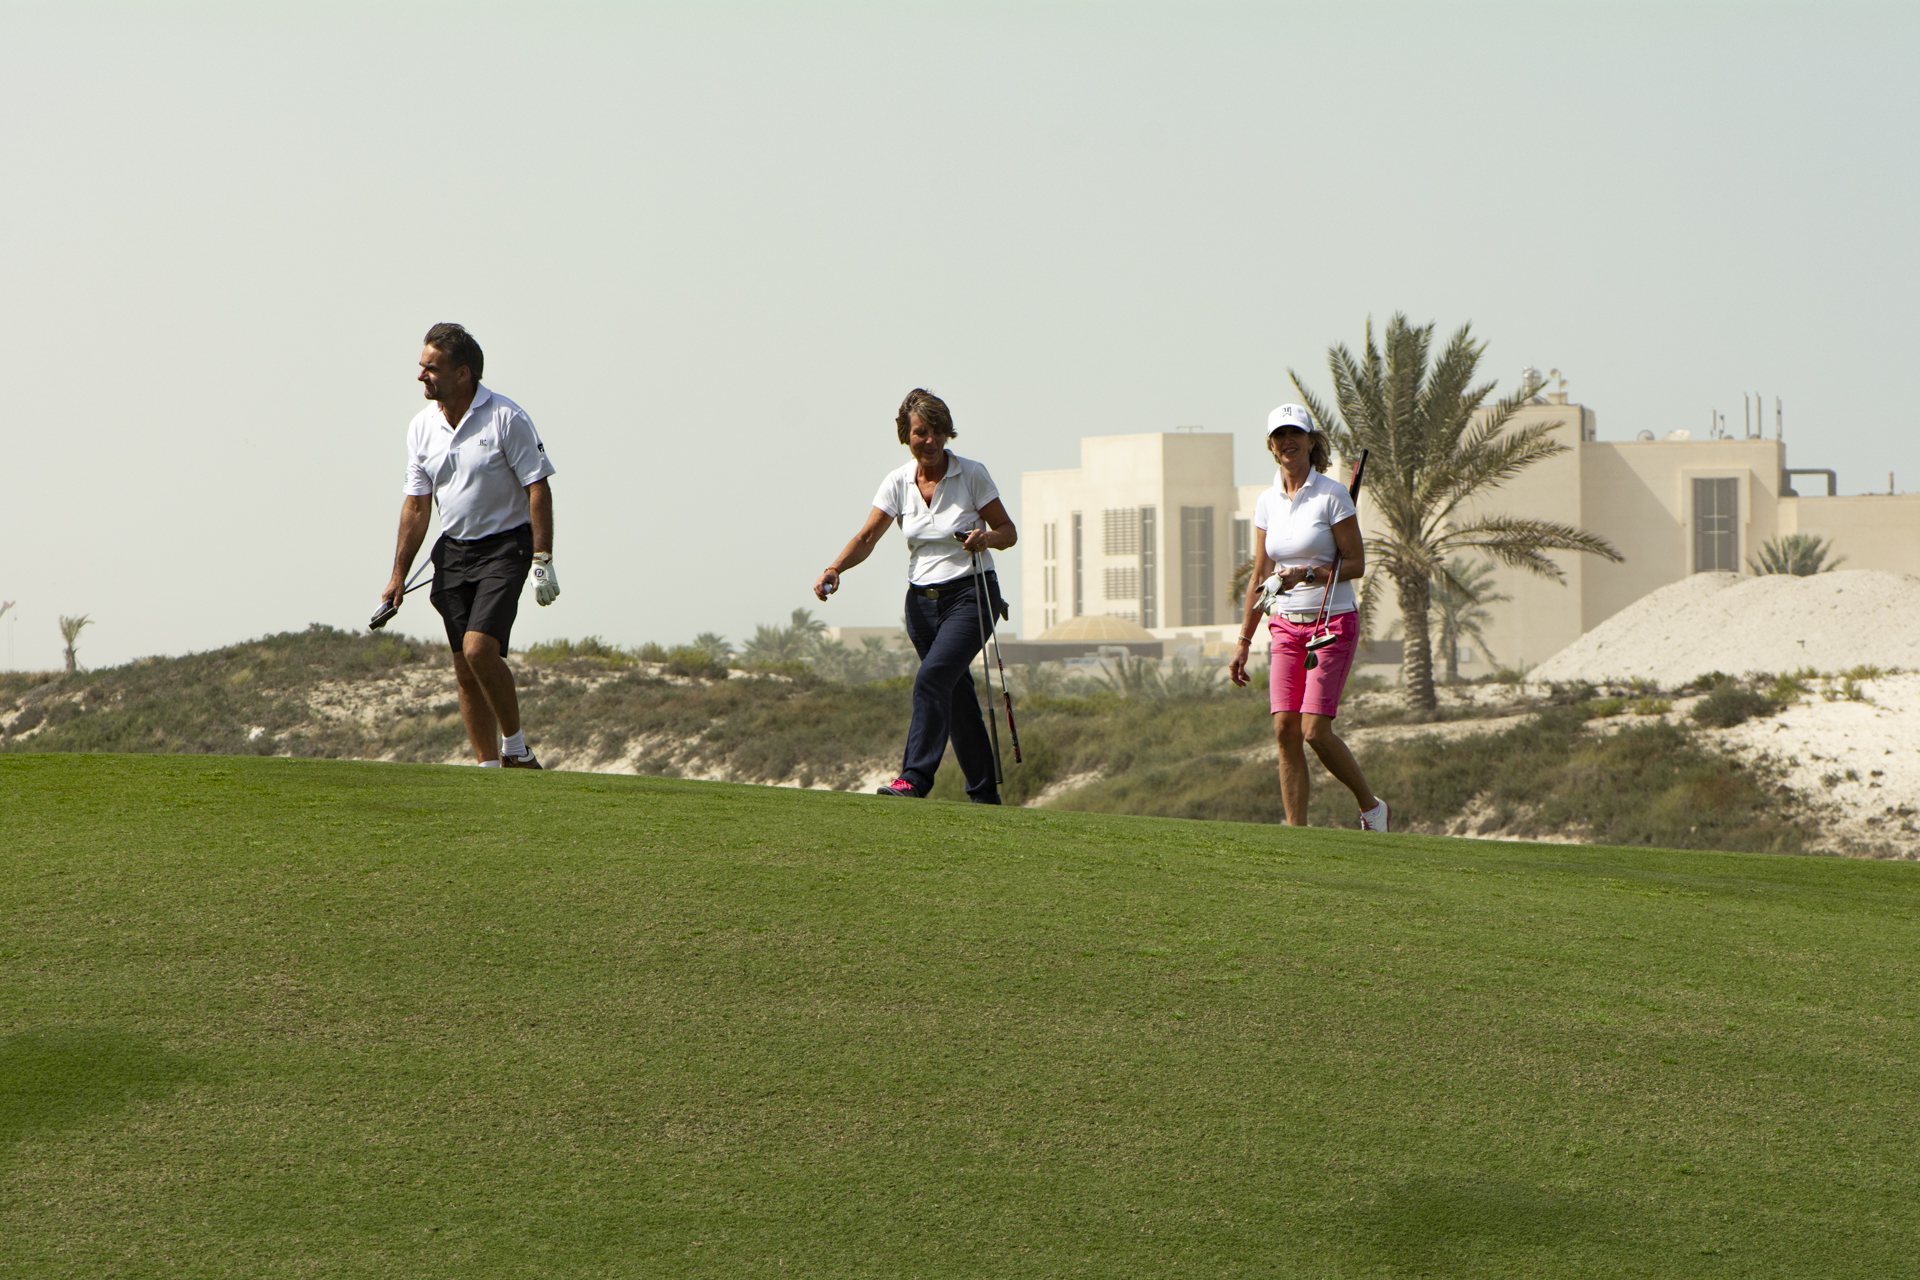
x=999 y=534
x=856 y=551
x=1352 y=548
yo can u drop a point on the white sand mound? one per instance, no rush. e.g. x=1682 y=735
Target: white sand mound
x=1726 y=622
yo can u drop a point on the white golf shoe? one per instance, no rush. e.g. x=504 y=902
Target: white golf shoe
x=1375 y=819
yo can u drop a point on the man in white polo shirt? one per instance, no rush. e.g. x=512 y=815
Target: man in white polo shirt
x=475 y=452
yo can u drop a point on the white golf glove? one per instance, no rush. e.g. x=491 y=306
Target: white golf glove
x=1269 y=596
x=546 y=587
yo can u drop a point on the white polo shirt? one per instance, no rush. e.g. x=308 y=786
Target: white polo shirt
x=934 y=554
x=478 y=471
x=1299 y=531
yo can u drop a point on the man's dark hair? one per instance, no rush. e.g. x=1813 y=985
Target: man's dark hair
x=932 y=410
x=456 y=344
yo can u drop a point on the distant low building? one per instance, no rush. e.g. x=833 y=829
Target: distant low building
x=1089 y=635
x=1149 y=529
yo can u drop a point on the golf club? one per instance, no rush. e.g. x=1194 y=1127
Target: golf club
x=980 y=615
x=385 y=612
x=1006 y=694
x=1321 y=637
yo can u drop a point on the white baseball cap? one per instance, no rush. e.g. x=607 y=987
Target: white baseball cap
x=1290 y=415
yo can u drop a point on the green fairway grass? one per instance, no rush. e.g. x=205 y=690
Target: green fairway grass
x=264 y=1017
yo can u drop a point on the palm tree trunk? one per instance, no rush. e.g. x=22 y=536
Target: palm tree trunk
x=1415 y=592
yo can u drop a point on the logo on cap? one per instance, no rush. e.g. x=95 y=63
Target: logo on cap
x=1290 y=415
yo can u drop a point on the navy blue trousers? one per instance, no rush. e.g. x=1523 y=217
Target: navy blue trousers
x=946 y=634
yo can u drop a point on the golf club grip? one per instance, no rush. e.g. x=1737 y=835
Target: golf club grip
x=1359 y=469
x=1013 y=730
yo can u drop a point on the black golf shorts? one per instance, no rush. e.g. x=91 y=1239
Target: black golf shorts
x=476 y=584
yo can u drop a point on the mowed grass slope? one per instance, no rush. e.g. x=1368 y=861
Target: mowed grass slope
x=266 y=1017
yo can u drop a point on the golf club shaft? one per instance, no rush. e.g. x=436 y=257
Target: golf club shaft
x=1321 y=618
x=986 y=673
x=1006 y=696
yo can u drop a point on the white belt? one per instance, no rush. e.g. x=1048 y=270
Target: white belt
x=1304 y=619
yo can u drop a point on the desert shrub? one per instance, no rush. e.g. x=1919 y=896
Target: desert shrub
x=1039 y=679
x=696 y=661
x=1651 y=706
x=795 y=669
x=1786 y=690
x=1599 y=708
x=1865 y=671
x=1184 y=680
x=1849 y=691
x=651 y=652
x=592 y=649
x=1729 y=705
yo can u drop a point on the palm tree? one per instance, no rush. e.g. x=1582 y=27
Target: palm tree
x=1459 y=599
x=70 y=629
x=1437 y=445
x=1237 y=589
x=716 y=646
x=784 y=644
x=1800 y=554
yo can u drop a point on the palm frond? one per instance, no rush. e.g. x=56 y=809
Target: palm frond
x=1520 y=543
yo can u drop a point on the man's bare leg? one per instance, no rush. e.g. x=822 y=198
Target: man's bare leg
x=489 y=704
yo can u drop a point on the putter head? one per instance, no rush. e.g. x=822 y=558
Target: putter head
x=381 y=615
x=1321 y=641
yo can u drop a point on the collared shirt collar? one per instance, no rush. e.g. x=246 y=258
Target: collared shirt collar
x=1314 y=477
x=952 y=464
x=480 y=396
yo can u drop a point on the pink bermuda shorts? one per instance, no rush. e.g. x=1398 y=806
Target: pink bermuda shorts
x=1291 y=686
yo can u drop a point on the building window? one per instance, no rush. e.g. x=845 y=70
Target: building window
x=1123 y=582
x=1120 y=531
x=1149 y=592
x=1716 y=537
x=1196 y=566
x=1242 y=540
x=1078 y=562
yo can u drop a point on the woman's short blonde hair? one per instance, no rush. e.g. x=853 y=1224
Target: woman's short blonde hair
x=932 y=410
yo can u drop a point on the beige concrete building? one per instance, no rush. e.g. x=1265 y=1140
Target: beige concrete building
x=1150 y=527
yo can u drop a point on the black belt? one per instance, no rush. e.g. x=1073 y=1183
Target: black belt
x=488 y=537
x=950 y=587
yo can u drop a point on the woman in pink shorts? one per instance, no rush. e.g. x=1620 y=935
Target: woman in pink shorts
x=1300 y=523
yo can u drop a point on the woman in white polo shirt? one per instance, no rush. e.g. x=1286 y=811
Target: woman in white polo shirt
x=933 y=498
x=1300 y=522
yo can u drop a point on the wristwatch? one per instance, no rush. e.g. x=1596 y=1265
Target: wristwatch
x=1313 y=576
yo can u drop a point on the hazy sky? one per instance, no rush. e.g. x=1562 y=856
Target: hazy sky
x=710 y=247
